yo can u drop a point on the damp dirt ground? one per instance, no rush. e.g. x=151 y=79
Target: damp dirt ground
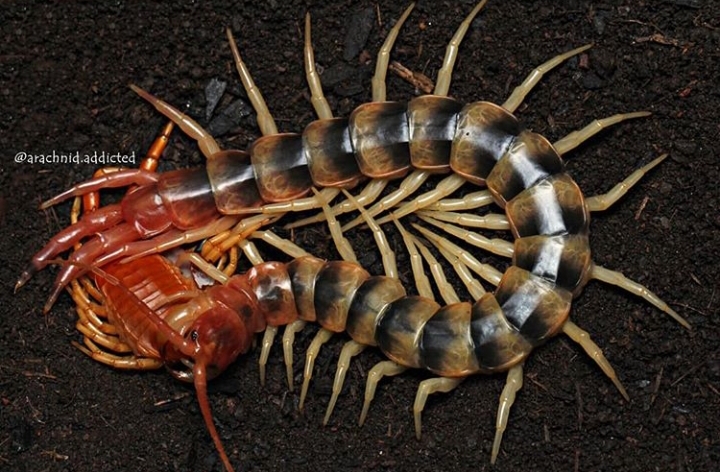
x=64 y=89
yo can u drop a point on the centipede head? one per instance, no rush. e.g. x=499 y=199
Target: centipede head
x=219 y=335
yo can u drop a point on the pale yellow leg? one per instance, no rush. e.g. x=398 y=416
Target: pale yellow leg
x=471 y=201
x=445 y=75
x=207 y=144
x=286 y=246
x=447 y=292
x=513 y=384
x=444 y=188
x=387 y=254
x=473 y=285
x=378 y=80
x=321 y=338
x=264 y=118
x=379 y=370
x=349 y=350
x=606 y=200
x=574 y=139
x=318 y=100
x=521 y=91
x=428 y=387
x=496 y=221
x=422 y=283
x=341 y=243
x=266 y=345
x=288 y=340
x=582 y=337
x=616 y=278
x=408 y=186
x=496 y=245
x=485 y=271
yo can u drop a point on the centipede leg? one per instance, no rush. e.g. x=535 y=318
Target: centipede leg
x=379 y=370
x=521 y=91
x=320 y=104
x=574 y=139
x=428 y=387
x=606 y=200
x=322 y=336
x=619 y=280
x=288 y=340
x=513 y=384
x=349 y=350
x=582 y=337
x=118 y=362
x=412 y=182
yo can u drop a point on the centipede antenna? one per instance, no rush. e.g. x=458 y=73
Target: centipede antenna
x=200 y=381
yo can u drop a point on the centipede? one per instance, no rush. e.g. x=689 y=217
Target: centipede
x=480 y=143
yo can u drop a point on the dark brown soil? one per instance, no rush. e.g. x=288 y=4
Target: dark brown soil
x=63 y=83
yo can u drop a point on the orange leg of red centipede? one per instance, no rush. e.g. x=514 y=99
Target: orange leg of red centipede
x=91 y=201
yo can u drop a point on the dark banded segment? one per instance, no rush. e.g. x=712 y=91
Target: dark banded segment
x=400 y=328
x=534 y=306
x=447 y=348
x=431 y=121
x=563 y=260
x=483 y=135
x=280 y=167
x=187 y=195
x=329 y=153
x=498 y=344
x=233 y=181
x=371 y=299
x=551 y=207
x=303 y=273
x=379 y=134
x=271 y=284
x=530 y=159
x=334 y=291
